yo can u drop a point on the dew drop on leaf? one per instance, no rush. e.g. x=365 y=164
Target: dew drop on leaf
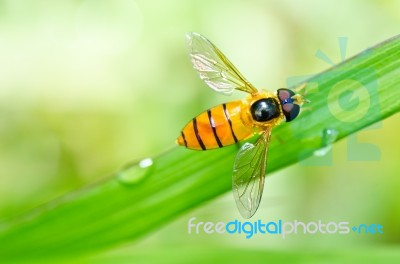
x=329 y=136
x=135 y=172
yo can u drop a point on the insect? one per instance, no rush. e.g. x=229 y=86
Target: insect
x=238 y=120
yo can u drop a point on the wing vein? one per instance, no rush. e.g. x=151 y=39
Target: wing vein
x=214 y=67
x=249 y=174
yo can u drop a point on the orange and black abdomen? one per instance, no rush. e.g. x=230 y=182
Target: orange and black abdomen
x=215 y=128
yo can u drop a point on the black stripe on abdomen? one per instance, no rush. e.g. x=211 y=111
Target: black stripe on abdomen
x=230 y=122
x=212 y=124
x=184 y=139
x=196 y=132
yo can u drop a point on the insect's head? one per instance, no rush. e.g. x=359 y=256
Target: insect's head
x=290 y=102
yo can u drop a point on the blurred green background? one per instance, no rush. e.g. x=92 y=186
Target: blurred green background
x=86 y=86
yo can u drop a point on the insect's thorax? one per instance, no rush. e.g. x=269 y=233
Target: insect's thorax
x=262 y=110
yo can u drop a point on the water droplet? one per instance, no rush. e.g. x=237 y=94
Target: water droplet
x=329 y=136
x=135 y=172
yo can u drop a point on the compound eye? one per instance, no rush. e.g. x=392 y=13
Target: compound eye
x=284 y=94
x=291 y=111
x=264 y=110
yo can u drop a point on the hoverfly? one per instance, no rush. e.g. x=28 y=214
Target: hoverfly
x=231 y=122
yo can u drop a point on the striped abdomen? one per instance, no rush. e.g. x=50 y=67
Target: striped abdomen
x=216 y=128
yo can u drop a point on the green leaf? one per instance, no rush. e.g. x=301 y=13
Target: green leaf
x=344 y=99
x=221 y=254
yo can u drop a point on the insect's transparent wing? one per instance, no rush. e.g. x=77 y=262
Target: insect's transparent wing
x=249 y=174
x=214 y=68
